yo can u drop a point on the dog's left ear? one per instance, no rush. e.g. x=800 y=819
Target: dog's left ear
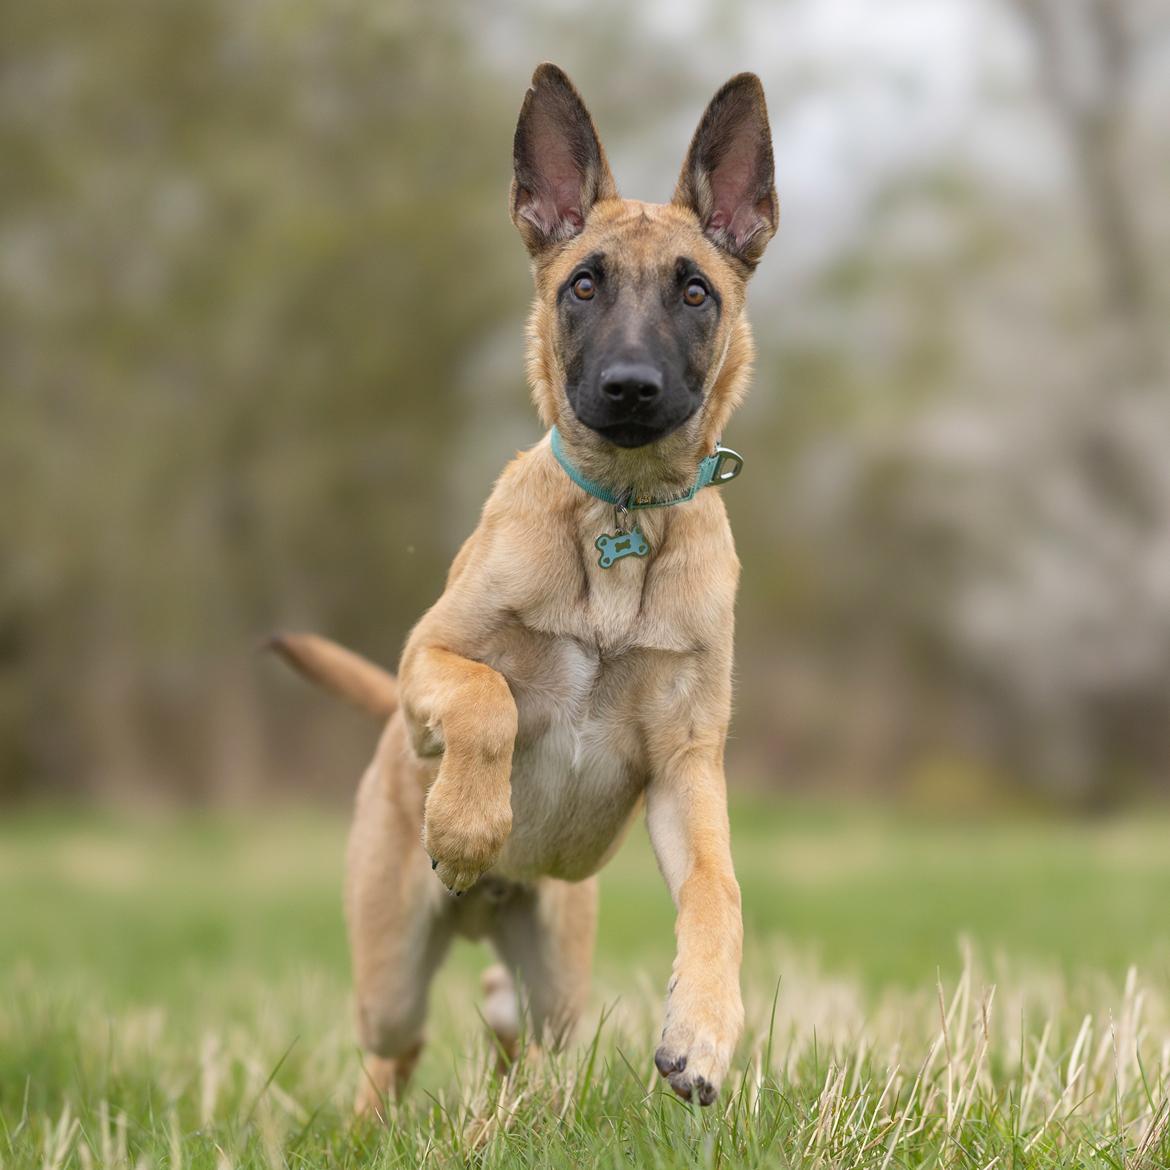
x=559 y=167
x=727 y=179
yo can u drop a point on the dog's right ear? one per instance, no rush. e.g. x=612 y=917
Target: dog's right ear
x=559 y=167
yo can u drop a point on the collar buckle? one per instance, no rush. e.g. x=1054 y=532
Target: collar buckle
x=728 y=464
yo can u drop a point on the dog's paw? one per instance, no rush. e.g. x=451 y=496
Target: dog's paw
x=463 y=837
x=697 y=1043
x=696 y=1070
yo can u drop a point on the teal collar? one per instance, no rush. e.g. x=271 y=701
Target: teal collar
x=720 y=467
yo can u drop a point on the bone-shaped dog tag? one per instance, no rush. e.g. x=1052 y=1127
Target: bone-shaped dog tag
x=614 y=546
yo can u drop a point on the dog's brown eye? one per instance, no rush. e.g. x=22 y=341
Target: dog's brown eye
x=695 y=294
x=584 y=288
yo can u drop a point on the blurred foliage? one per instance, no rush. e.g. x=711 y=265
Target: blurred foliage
x=261 y=320
x=148 y=909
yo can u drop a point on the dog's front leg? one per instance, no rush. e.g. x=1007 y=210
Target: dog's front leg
x=686 y=812
x=464 y=711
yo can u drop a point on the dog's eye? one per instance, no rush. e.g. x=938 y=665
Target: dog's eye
x=695 y=293
x=583 y=287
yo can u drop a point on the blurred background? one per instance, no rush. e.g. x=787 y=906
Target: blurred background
x=261 y=342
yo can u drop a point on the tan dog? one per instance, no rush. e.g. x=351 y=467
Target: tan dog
x=546 y=694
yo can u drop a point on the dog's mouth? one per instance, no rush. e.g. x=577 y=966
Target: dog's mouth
x=631 y=434
x=639 y=429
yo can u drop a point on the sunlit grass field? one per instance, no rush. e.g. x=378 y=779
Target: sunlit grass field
x=984 y=993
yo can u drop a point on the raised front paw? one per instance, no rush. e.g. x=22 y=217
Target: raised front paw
x=463 y=835
x=702 y=1027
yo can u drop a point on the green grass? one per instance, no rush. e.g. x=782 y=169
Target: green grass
x=175 y=993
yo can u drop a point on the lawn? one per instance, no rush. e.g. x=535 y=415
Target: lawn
x=174 y=992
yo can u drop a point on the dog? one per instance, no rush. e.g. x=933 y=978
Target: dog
x=551 y=692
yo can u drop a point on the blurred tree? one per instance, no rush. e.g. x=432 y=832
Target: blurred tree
x=244 y=248
x=981 y=535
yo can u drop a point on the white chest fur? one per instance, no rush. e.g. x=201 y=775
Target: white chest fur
x=577 y=770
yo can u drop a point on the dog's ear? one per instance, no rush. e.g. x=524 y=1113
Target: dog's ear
x=727 y=179
x=559 y=167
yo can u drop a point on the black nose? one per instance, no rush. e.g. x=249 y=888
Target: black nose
x=631 y=383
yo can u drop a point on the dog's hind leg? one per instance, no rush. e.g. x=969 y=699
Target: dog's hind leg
x=546 y=935
x=501 y=1012
x=399 y=921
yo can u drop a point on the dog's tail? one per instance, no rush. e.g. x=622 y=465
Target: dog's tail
x=339 y=670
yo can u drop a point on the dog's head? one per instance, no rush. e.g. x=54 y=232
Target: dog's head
x=638 y=331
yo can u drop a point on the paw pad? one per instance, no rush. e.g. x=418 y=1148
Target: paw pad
x=686 y=1085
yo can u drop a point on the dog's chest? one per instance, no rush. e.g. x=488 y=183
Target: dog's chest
x=578 y=768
